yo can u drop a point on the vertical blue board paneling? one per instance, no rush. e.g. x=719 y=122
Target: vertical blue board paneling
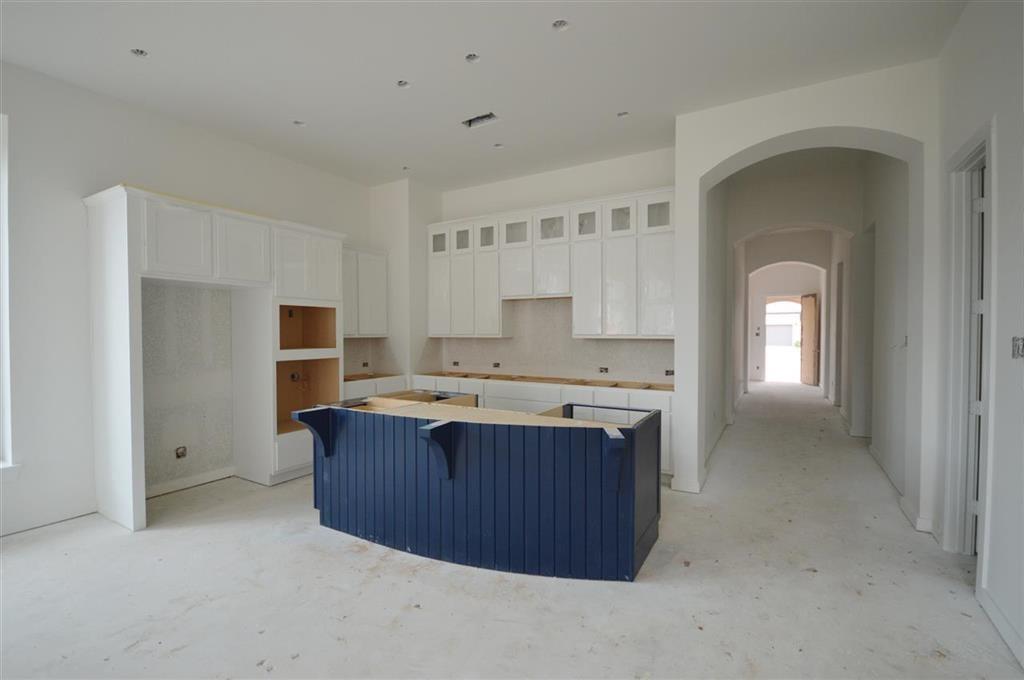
x=516 y=507
x=578 y=502
x=546 y=501
x=519 y=498
x=593 y=521
x=501 y=503
x=473 y=510
x=460 y=489
x=487 y=496
x=531 y=499
x=563 y=507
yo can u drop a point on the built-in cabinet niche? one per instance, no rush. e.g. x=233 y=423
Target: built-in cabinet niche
x=304 y=384
x=304 y=327
x=613 y=256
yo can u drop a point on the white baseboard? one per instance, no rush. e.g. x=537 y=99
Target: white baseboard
x=923 y=524
x=288 y=475
x=186 y=482
x=1013 y=637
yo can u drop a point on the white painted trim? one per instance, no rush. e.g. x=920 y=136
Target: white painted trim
x=6 y=448
x=294 y=473
x=1013 y=637
x=10 y=472
x=187 y=482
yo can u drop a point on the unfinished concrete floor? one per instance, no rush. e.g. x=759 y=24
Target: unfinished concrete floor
x=795 y=561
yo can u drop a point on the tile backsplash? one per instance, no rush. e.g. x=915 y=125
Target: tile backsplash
x=541 y=343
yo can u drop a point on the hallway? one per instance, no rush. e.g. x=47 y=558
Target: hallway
x=795 y=561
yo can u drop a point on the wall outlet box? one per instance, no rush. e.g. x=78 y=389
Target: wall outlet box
x=1018 y=348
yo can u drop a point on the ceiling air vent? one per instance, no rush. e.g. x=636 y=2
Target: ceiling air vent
x=483 y=119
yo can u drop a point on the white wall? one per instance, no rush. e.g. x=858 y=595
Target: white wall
x=859 y=365
x=885 y=209
x=648 y=170
x=890 y=111
x=981 y=75
x=715 y=319
x=67 y=143
x=776 y=279
x=820 y=186
x=186 y=367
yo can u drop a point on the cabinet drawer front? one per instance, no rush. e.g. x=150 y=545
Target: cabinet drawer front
x=577 y=395
x=472 y=386
x=179 y=240
x=424 y=382
x=651 y=400
x=530 y=391
x=294 y=449
x=358 y=389
x=243 y=249
x=521 y=405
x=447 y=384
x=394 y=383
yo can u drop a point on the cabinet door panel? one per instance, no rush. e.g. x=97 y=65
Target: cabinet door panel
x=350 y=292
x=439 y=303
x=620 y=286
x=293 y=269
x=655 y=274
x=394 y=383
x=243 y=249
x=551 y=270
x=327 y=268
x=179 y=240
x=586 y=288
x=517 y=272
x=373 y=294
x=462 y=295
x=487 y=294
x=360 y=389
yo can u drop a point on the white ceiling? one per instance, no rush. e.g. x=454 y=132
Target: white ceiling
x=247 y=70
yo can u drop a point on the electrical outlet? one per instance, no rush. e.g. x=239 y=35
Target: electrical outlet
x=455 y=363
x=366 y=364
x=181 y=452
x=1018 y=348
x=670 y=372
x=602 y=369
x=496 y=364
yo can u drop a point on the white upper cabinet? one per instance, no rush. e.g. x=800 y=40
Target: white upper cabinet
x=307 y=266
x=372 y=294
x=620 y=287
x=551 y=269
x=437 y=242
x=655 y=212
x=586 y=288
x=516 y=272
x=585 y=222
x=462 y=287
x=487 y=294
x=655 y=274
x=243 y=249
x=462 y=239
x=515 y=231
x=293 y=266
x=439 y=297
x=179 y=240
x=619 y=217
x=486 y=235
x=551 y=226
x=350 y=291
x=326 y=269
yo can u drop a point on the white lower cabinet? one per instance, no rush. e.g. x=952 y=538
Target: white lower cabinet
x=293 y=450
x=444 y=384
x=620 y=286
x=516 y=272
x=586 y=288
x=551 y=270
x=392 y=383
x=360 y=389
x=424 y=382
x=462 y=288
x=579 y=395
x=472 y=386
x=650 y=399
x=439 y=296
x=487 y=294
x=614 y=398
x=655 y=276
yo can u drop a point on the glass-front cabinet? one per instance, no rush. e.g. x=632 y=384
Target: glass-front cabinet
x=620 y=217
x=655 y=212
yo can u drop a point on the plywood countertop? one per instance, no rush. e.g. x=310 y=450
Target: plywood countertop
x=351 y=377
x=555 y=380
x=472 y=414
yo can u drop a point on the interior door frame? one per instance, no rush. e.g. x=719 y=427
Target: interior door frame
x=958 y=508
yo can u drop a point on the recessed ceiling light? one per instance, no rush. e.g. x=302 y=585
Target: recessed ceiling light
x=499 y=145
x=472 y=57
x=622 y=114
x=139 y=52
x=299 y=123
x=560 y=25
x=403 y=84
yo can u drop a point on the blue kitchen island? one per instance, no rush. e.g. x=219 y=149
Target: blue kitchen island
x=547 y=494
